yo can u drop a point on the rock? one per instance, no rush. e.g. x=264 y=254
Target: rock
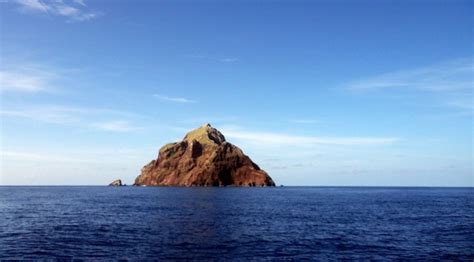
x=202 y=158
x=117 y=182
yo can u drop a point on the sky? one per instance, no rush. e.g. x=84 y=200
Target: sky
x=317 y=93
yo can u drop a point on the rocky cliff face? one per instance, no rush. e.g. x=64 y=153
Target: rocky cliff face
x=202 y=158
x=117 y=182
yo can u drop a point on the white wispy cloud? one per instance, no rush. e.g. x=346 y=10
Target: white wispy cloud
x=80 y=2
x=115 y=126
x=213 y=58
x=443 y=77
x=228 y=60
x=75 y=10
x=76 y=116
x=210 y=119
x=66 y=10
x=55 y=113
x=462 y=104
x=294 y=140
x=35 y=5
x=174 y=99
x=81 y=155
x=448 y=84
x=304 y=121
x=52 y=115
x=27 y=78
x=41 y=157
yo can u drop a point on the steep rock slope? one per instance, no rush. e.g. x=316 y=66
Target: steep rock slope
x=202 y=158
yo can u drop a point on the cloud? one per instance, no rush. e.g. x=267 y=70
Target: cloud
x=65 y=10
x=448 y=84
x=210 y=119
x=75 y=116
x=449 y=76
x=62 y=8
x=462 y=104
x=115 y=126
x=42 y=157
x=214 y=58
x=303 y=121
x=27 y=78
x=86 y=17
x=228 y=60
x=80 y=2
x=52 y=115
x=181 y=100
x=35 y=5
x=293 y=140
x=88 y=155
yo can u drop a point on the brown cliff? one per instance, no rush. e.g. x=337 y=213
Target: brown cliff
x=202 y=158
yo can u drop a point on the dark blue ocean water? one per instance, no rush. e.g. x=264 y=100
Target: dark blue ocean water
x=228 y=223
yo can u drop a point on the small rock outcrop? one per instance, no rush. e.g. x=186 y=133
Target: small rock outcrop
x=202 y=158
x=117 y=182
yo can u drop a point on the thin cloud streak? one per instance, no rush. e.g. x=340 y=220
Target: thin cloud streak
x=76 y=116
x=115 y=126
x=462 y=104
x=450 y=84
x=292 y=140
x=35 y=5
x=444 y=77
x=10 y=81
x=59 y=8
x=303 y=121
x=91 y=155
x=214 y=58
x=43 y=115
x=27 y=79
x=228 y=60
x=210 y=119
x=80 y=2
x=181 y=100
x=29 y=156
x=54 y=114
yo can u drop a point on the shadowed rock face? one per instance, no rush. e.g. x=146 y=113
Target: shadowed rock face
x=117 y=182
x=202 y=158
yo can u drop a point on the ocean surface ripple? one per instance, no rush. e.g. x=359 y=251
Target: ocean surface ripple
x=285 y=223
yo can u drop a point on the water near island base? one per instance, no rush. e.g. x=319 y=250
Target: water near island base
x=236 y=223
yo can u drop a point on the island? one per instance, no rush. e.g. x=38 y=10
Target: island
x=117 y=182
x=203 y=158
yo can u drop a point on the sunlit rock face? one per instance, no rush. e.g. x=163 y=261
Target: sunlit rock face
x=202 y=158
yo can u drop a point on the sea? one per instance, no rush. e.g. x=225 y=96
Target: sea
x=281 y=223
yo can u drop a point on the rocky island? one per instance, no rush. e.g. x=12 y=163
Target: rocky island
x=202 y=158
x=117 y=182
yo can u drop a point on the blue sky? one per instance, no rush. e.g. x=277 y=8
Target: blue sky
x=376 y=93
